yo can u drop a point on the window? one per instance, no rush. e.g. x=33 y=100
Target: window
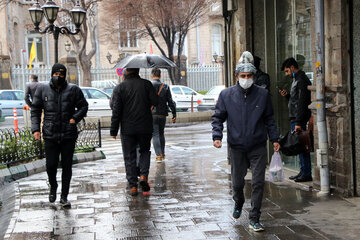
x=19 y=95
x=127 y=32
x=216 y=39
x=188 y=91
x=97 y=94
x=38 y=47
x=7 y=96
x=177 y=90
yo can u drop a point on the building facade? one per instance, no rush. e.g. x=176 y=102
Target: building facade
x=278 y=29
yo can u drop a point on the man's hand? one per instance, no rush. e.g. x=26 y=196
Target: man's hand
x=173 y=120
x=72 y=121
x=297 y=128
x=114 y=137
x=37 y=136
x=276 y=146
x=283 y=92
x=217 y=143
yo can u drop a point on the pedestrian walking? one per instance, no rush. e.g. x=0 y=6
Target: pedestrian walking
x=299 y=114
x=261 y=78
x=160 y=112
x=30 y=90
x=132 y=102
x=64 y=105
x=248 y=110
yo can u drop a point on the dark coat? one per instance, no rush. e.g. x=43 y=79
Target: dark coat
x=249 y=116
x=165 y=100
x=299 y=99
x=262 y=79
x=30 y=92
x=59 y=105
x=132 y=101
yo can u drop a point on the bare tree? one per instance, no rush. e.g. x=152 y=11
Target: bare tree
x=165 y=21
x=80 y=40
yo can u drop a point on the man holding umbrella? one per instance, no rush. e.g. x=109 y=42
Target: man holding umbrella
x=132 y=102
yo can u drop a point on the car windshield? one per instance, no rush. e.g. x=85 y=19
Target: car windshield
x=215 y=90
x=97 y=94
x=188 y=91
x=176 y=90
x=7 y=96
x=19 y=95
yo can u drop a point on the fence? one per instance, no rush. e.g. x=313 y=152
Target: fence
x=198 y=77
x=21 y=146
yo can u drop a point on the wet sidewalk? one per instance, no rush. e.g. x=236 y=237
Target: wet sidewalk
x=190 y=199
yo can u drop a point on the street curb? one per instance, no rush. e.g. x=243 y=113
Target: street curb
x=181 y=117
x=14 y=173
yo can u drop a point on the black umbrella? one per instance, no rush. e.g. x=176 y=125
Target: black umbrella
x=145 y=61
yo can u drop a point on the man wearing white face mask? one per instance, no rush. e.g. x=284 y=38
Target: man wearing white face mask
x=248 y=111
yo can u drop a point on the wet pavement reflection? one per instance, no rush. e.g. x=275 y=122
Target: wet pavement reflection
x=190 y=199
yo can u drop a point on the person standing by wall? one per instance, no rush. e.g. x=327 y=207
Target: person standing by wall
x=248 y=110
x=30 y=90
x=64 y=105
x=299 y=113
x=261 y=78
x=132 y=101
x=160 y=112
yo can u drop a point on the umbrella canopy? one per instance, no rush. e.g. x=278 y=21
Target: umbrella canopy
x=145 y=61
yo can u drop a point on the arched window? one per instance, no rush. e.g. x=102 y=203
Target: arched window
x=216 y=40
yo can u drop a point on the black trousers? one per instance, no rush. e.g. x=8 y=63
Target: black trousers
x=129 y=144
x=240 y=162
x=53 y=149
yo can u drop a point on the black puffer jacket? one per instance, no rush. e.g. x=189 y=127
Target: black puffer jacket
x=132 y=101
x=165 y=100
x=299 y=99
x=60 y=105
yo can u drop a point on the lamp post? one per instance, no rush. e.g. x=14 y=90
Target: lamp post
x=109 y=56
x=50 y=10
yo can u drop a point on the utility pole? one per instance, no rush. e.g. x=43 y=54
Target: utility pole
x=322 y=152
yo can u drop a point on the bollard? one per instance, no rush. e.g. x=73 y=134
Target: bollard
x=15 y=121
x=26 y=111
x=192 y=102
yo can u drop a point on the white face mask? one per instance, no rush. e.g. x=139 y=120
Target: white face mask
x=246 y=83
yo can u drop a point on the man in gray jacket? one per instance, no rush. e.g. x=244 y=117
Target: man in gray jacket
x=248 y=111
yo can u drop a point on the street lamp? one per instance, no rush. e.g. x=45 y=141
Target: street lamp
x=50 y=10
x=109 y=56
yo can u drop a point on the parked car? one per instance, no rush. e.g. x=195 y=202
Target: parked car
x=182 y=97
x=97 y=99
x=109 y=91
x=10 y=99
x=210 y=98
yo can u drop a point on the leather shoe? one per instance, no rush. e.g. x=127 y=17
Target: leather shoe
x=295 y=176
x=304 y=178
x=52 y=194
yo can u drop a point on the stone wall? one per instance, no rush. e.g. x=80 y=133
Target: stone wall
x=337 y=97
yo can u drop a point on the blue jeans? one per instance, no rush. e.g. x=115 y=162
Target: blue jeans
x=305 y=160
x=158 y=134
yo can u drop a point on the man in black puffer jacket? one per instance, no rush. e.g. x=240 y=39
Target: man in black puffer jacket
x=132 y=101
x=64 y=105
x=160 y=112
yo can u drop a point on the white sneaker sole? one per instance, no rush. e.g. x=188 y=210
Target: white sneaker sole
x=256 y=229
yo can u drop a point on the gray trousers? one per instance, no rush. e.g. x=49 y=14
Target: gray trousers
x=158 y=134
x=240 y=162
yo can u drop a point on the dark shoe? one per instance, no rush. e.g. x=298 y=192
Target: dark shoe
x=237 y=211
x=52 y=194
x=256 y=226
x=295 y=176
x=133 y=191
x=144 y=184
x=64 y=202
x=304 y=178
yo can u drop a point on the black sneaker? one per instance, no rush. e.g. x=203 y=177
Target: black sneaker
x=64 y=202
x=303 y=178
x=52 y=194
x=144 y=184
x=256 y=226
x=237 y=211
x=295 y=176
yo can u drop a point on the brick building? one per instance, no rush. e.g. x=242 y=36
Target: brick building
x=277 y=29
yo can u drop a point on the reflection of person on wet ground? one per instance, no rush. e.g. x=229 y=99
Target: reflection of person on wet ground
x=160 y=178
x=132 y=111
x=248 y=110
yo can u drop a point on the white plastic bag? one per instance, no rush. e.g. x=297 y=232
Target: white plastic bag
x=276 y=171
